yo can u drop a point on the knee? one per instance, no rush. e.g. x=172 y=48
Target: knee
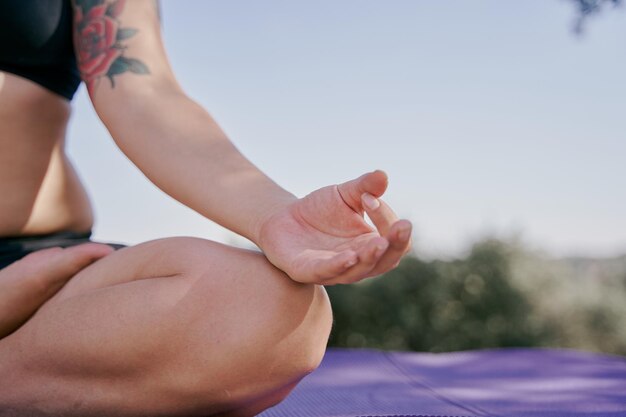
x=259 y=369
x=272 y=331
x=292 y=346
x=305 y=350
x=286 y=362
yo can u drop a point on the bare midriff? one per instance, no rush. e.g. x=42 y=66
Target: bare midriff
x=40 y=192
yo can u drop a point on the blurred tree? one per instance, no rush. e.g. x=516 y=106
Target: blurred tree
x=499 y=295
x=587 y=8
x=437 y=306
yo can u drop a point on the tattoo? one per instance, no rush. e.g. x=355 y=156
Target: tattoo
x=99 y=42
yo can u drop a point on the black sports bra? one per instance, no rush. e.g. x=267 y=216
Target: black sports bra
x=36 y=43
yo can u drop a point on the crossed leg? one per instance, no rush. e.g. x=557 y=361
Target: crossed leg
x=171 y=327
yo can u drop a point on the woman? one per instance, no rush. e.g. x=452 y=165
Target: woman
x=176 y=326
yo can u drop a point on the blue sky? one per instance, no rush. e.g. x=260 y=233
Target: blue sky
x=490 y=117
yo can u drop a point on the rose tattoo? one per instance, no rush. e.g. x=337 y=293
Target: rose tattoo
x=98 y=42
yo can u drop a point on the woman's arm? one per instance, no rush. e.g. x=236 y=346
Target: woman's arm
x=181 y=149
x=169 y=137
x=321 y=238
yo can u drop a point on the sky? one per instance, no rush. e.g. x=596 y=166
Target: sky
x=491 y=117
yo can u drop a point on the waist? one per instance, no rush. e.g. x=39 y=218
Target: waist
x=16 y=247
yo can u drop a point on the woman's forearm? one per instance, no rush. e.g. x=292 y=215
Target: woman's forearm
x=181 y=149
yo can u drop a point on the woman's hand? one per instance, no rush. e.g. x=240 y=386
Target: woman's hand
x=27 y=284
x=324 y=239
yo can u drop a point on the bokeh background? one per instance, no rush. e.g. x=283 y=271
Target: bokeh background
x=500 y=123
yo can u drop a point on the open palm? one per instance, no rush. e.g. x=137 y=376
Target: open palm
x=323 y=237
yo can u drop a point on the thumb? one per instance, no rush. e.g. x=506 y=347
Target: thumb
x=374 y=183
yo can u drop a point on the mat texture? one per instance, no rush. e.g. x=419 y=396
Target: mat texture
x=503 y=382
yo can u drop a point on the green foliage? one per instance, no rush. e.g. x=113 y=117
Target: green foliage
x=496 y=296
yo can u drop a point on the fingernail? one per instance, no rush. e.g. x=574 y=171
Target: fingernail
x=371 y=202
x=350 y=262
x=404 y=234
x=380 y=249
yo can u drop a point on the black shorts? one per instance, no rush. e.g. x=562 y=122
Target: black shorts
x=15 y=248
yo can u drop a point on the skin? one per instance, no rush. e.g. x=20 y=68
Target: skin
x=86 y=331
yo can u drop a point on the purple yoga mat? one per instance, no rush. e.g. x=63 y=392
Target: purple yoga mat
x=503 y=382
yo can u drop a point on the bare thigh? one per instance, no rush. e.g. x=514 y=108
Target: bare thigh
x=177 y=326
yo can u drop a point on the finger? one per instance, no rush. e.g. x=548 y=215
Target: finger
x=368 y=256
x=399 y=237
x=57 y=265
x=374 y=183
x=379 y=212
x=57 y=258
x=78 y=257
x=334 y=266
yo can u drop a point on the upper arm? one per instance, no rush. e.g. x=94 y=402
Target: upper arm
x=119 y=50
